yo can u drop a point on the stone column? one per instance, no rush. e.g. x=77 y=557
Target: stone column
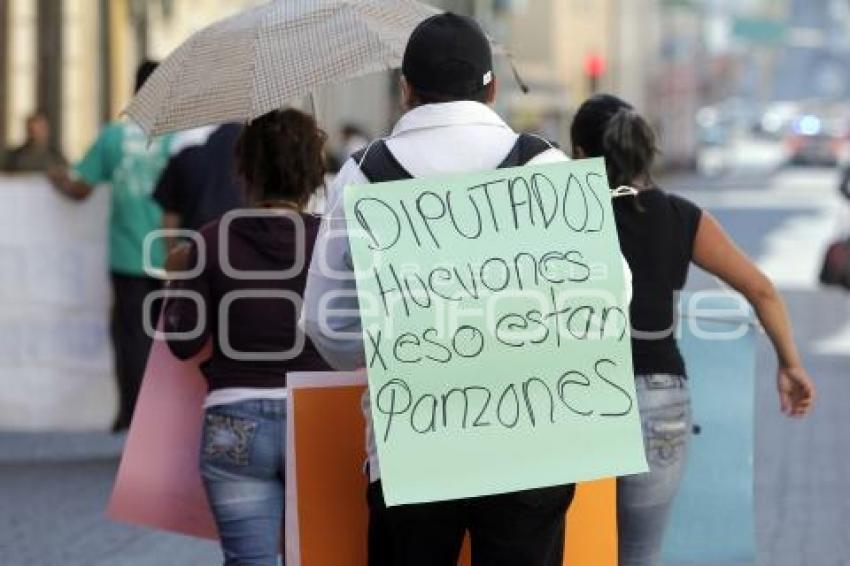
x=49 y=56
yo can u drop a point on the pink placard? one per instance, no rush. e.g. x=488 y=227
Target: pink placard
x=159 y=483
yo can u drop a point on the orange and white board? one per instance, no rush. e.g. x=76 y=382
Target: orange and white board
x=326 y=484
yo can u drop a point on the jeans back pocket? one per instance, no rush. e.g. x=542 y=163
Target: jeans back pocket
x=667 y=437
x=228 y=438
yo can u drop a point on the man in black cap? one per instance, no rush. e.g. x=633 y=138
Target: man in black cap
x=448 y=85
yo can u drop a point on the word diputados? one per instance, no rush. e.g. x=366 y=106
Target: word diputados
x=435 y=217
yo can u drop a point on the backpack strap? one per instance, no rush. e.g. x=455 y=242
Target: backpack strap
x=378 y=163
x=526 y=148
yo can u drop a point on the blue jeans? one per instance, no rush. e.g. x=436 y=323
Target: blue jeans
x=242 y=467
x=644 y=500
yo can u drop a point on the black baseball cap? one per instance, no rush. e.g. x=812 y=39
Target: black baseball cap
x=448 y=55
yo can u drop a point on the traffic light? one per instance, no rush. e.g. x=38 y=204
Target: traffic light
x=594 y=68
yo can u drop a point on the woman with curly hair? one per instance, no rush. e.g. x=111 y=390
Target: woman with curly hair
x=251 y=271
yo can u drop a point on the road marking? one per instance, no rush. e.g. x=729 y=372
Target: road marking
x=788 y=189
x=793 y=251
x=836 y=345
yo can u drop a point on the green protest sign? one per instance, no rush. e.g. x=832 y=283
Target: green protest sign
x=496 y=331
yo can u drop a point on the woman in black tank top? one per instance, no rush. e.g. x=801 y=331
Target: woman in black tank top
x=660 y=235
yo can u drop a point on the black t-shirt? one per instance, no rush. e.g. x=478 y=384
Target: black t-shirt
x=200 y=182
x=657 y=232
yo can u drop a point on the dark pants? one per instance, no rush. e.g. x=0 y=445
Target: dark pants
x=524 y=528
x=130 y=341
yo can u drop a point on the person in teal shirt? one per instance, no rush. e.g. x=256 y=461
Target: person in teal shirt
x=123 y=157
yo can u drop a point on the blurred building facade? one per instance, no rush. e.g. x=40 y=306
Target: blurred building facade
x=75 y=60
x=645 y=51
x=568 y=49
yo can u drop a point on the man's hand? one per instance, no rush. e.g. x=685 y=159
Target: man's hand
x=59 y=177
x=796 y=391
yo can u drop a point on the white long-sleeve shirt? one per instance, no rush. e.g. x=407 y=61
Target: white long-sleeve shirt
x=454 y=137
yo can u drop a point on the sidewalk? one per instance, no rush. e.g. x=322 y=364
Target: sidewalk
x=54 y=489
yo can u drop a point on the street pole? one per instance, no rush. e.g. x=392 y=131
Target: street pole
x=484 y=11
x=5 y=49
x=105 y=61
x=49 y=65
x=614 y=46
x=139 y=16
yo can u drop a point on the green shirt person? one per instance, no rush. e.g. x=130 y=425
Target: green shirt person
x=123 y=157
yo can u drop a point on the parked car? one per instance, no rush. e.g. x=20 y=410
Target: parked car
x=810 y=143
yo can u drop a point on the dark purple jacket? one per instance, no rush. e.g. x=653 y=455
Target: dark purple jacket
x=254 y=325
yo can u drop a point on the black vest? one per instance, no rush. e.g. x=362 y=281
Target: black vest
x=379 y=165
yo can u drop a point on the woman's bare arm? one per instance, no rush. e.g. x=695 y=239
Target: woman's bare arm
x=715 y=252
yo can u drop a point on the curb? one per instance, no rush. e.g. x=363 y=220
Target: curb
x=53 y=447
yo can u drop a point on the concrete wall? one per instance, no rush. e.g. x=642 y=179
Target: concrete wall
x=56 y=364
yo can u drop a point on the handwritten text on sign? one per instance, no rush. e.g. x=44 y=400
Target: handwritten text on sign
x=496 y=331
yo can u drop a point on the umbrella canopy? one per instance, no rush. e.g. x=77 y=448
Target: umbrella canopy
x=252 y=63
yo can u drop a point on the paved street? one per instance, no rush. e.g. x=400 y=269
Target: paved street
x=52 y=514
x=51 y=511
x=802 y=503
